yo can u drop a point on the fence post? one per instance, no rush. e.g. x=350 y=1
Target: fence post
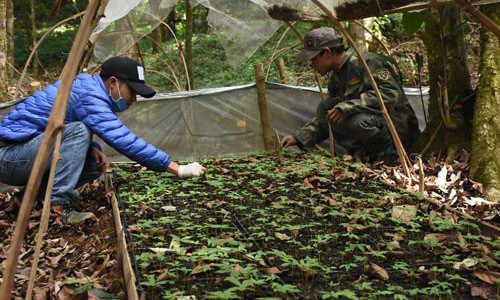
x=264 y=113
x=282 y=70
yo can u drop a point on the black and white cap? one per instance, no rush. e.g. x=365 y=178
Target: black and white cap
x=130 y=71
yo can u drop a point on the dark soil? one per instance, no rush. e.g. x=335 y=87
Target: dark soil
x=266 y=215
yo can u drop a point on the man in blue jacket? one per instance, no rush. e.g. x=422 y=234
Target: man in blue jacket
x=93 y=104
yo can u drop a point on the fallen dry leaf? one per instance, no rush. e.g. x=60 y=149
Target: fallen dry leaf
x=282 y=236
x=273 y=270
x=169 y=208
x=404 y=212
x=483 y=292
x=490 y=277
x=376 y=271
x=200 y=269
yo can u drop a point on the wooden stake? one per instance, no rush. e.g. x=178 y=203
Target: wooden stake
x=35 y=86
x=55 y=125
x=421 y=175
x=278 y=138
x=282 y=70
x=264 y=113
x=332 y=141
x=44 y=223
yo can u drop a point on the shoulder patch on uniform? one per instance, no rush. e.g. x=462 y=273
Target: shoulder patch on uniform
x=354 y=81
x=383 y=75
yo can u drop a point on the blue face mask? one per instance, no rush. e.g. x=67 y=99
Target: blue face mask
x=120 y=104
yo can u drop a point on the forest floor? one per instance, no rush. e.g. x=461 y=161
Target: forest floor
x=80 y=262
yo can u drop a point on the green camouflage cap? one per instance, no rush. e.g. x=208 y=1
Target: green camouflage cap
x=317 y=40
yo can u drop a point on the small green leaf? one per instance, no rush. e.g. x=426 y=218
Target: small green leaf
x=413 y=20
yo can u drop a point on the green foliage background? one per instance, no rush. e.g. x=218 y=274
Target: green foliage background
x=210 y=67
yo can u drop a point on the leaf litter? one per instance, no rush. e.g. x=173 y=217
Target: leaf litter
x=84 y=259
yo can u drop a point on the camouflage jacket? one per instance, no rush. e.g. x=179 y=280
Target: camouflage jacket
x=351 y=91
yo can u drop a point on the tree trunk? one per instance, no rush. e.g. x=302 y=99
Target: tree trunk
x=171 y=21
x=4 y=74
x=123 y=28
x=156 y=36
x=358 y=35
x=200 y=14
x=485 y=161
x=33 y=38
x=10 y=38
x=188 y=54
x=449 y=79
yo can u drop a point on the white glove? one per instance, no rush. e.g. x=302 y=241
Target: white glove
x=191 y=170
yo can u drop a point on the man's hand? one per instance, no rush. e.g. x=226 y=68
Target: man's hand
x=335 y=116
x=288 y=141
x=99 y=158
x=191 y=170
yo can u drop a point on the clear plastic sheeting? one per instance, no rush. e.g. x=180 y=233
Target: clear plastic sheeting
x=224 y=121
x=221 y=122
x=242 y=26
x=126 y=22
x=216 y=122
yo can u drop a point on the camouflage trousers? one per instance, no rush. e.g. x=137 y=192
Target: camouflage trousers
x=363 y=132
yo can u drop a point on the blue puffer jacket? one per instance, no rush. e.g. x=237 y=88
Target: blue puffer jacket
x=90 y=104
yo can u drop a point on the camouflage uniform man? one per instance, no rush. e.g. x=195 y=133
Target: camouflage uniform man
x=352 y=109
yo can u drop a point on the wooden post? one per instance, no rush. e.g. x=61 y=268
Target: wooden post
x=35 y=86
x=55 y=125
x=282 y=70
x=264 y=113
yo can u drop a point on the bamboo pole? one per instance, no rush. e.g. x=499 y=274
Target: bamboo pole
x=282 y=70
x=399 y=146
x=44 y=223
x=55 y=125
x=264 y=112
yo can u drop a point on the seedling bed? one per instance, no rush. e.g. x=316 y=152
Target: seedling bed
x=296 y=226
